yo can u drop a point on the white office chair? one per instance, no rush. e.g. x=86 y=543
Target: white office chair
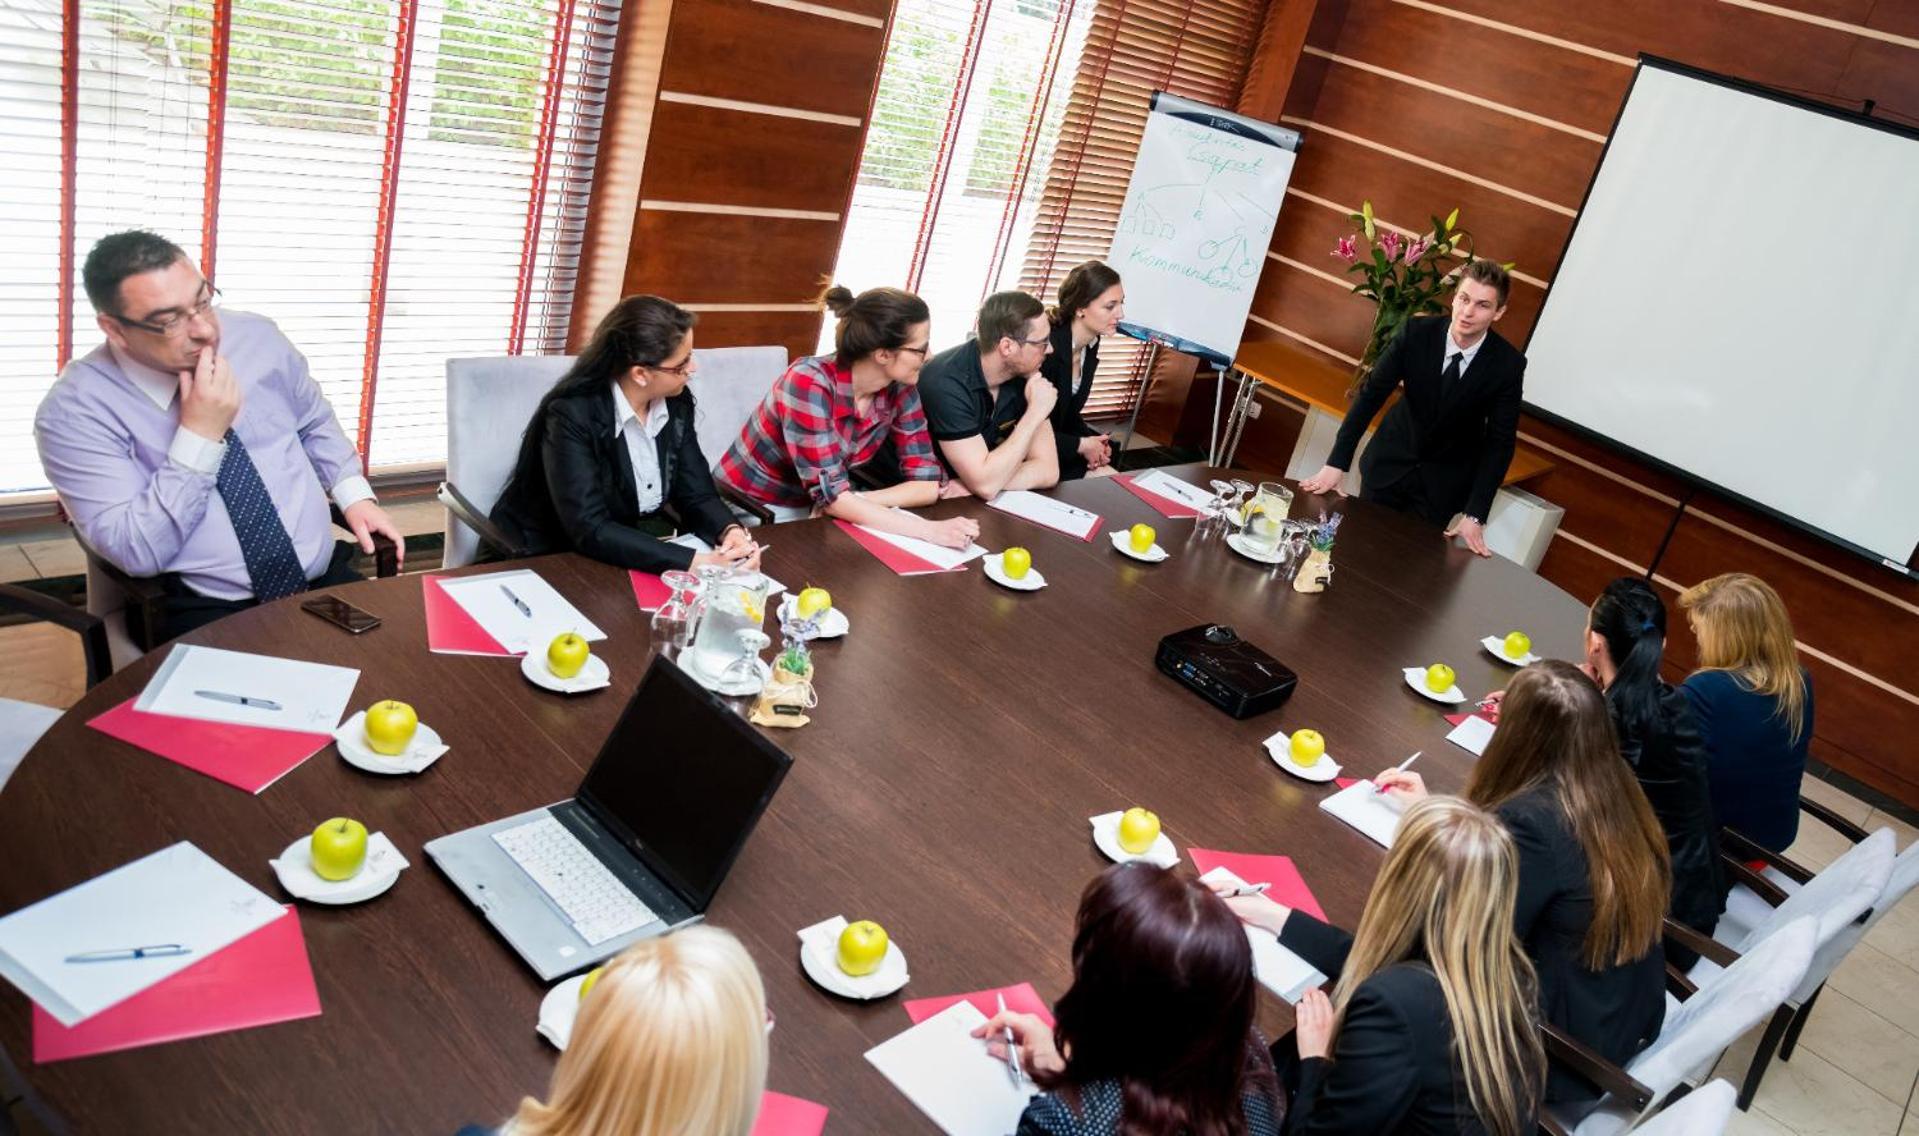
x=730 y=385
x=1703 y=1112
x=1696 y=1032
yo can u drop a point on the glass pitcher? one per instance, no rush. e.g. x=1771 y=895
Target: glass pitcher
x=732 y=600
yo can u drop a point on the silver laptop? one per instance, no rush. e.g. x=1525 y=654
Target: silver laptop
x=643 y=846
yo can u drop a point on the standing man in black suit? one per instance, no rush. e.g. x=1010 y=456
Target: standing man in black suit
x=1443 y=450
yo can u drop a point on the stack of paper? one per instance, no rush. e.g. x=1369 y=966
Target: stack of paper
x=1471 y=732
x=498 y=613
x=950 y=1076
x=1278 y=969
x=1078 y=523
x=1169 y=494
x=1363 y=806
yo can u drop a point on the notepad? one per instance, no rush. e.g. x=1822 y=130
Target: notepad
x=1163 y=484
x=1277 y=968
x=1021 y=999
x=245 y=757
x=1472 y=733
x=243 y=689
x=949 y=1075
x=489 y=599
x=1284 y=883
x=1078 y=523
x=910 y=556
x=1363 y=806
x=176 y=895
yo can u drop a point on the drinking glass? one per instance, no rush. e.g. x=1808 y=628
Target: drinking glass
x=1266 y=517
x=670 y=626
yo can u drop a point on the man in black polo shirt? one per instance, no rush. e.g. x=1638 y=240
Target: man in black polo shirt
x=987 y=404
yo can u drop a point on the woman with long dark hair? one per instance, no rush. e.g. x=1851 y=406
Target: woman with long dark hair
x=1594 y=874
x=1156 y=1033
x=610 y=464
x=1091 y=304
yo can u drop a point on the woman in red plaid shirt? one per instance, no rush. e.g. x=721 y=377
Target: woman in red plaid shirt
x=831 y=413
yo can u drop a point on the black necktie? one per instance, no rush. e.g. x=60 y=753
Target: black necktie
x=1451 y=374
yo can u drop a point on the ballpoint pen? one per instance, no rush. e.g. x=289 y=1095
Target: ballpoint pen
x=517 y=601
x=1013 y=1070
x=1245 y=889
x=239 y=699
x=1401 y=767
x=159 y=950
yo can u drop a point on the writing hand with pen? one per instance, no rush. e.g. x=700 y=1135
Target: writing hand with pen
x=1024 y=1039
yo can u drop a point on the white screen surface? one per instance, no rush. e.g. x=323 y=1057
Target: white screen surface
x=1740 y=300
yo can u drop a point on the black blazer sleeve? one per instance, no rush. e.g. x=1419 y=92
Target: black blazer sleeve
x=1502 y=436
x=1386 y=374
x=1322 y=945
x=1535 y=835
x=581 y=502
x=1372 y=1080
x=693 y=495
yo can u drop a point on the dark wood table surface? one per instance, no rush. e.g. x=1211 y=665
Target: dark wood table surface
x=965 y=733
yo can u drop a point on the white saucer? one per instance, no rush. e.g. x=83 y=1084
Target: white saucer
x=1325 y=769
x=1496 y=647
x=1416 y=678
x=741 y=689
x=425 y=749
x=1106 y=838
x=595 y=675
x=558 y=1009
x=819 y=944
x=832 y=625
x=1123 y=544
x=381 y=870
x=1237 y=542
x=1031 y=582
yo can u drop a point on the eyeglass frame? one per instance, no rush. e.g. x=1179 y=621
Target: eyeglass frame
x=178 y=323
x=682 y=370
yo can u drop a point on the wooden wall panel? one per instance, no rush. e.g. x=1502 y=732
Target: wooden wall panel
x=713 y=258
x=798 y=332
x=759 y=53
x=732 y=158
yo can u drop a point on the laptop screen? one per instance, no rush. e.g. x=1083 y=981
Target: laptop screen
x=681 y=782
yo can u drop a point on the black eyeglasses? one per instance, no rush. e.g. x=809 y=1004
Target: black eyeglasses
x=679 y=369
x=177 y=322
x=1031 y=342
x=920 y=351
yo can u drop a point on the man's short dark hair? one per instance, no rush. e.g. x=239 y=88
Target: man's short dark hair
x=1489 y=273
x=1005 y=315
x=122 y=255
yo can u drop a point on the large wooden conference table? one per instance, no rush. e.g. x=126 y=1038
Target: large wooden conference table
x=965 y=733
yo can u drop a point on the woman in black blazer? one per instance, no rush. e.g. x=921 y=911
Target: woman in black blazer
x=1594 y=875
x=1091 y=304
x=610 y=463
x=1429 y=1030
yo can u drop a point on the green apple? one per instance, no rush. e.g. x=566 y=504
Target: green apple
x=567 y=654
x=1439 y=678
x=1141 y=537
x=1016 y=562
x=1138 y=829
x=592 y=976
x=1517 y=644
x=390 y=726
x=338 y=849
x=862 y=946
x=813 y=601
x=1306 y=748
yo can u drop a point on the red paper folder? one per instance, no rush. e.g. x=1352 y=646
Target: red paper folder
x=1345 y=782
x=892 y=555
x=649 y=590
x=254 y=981
x=1456 y=719
x=1166 y=505
x=1021 y=999
x=1285 y=884
x=449 y=629
x=781 y=1115
x=246 y=757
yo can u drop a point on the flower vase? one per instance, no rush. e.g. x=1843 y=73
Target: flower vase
x=1315 y=572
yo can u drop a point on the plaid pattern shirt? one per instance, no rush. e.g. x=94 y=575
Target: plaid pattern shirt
x=802 y=444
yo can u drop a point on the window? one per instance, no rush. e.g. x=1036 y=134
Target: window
x=395 y=182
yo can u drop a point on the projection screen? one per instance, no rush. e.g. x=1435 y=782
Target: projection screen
x=1739 y=301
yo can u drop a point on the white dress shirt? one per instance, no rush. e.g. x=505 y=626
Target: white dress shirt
x=1466 y=353
x=642 y=446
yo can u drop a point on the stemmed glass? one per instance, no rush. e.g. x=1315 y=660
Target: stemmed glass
x=745 y=671
x=1216 y=521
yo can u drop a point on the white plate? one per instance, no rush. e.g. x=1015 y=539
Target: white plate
x=425 y=749
x=819 y=944
x=1277 y=748
x=595 y=675
x=381 y=870
x=1237 y=542
x=1416 y=678
x=1496 y=646
x=1106 y=838
x=832 y=625
x=1031 y=582
x=558 y=1009
x=1123 y=544
x=739 y=689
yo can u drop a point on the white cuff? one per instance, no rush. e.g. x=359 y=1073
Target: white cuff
x=351 y=491
x=201 y=455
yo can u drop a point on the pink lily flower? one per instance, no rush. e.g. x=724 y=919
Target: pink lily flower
x=1346 y=251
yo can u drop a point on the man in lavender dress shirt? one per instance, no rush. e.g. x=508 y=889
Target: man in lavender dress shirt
x=193 y=445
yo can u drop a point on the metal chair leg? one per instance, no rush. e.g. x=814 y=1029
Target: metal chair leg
x=1768 y=1042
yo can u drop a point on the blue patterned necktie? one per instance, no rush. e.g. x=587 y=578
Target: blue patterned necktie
x=271 y=562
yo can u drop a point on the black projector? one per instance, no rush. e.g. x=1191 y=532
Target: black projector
x=1225 y=670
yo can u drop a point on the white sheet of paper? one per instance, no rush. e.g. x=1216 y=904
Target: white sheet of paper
x=205 y=682
x=1472 y=734
x=176 y=895
x=1278 y=969
x=1166 y=485
x=688 y=540
x=938 y=556
x=1057 y=515
x=485 y=599
x=1361 y=805
x=950 y=1076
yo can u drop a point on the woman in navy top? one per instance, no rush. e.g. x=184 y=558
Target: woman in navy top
x=1753 y=703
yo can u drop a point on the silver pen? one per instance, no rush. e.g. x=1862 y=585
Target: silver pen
x=239 y=699
x=1401 y=767
x=1013 y=1070
x=1245 y=889
x=517 y=601
x=159 y=950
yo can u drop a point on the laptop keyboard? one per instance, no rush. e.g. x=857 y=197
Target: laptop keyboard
x=598 y=905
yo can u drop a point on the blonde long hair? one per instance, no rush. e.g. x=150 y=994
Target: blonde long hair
x=1446 y=892
x=671 y=1042
x=1743 y=629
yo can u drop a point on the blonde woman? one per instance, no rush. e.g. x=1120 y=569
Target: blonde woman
x=670 y=1042
x=1753 y=703
x=1430 y=1028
